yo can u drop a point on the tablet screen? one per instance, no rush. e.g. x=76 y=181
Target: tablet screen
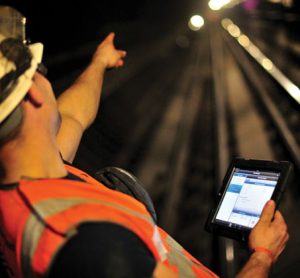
x=245 y=196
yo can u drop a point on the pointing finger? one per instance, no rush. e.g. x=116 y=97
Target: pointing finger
x=110 y=37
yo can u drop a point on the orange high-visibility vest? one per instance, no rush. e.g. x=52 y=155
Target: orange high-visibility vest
x=38 y=217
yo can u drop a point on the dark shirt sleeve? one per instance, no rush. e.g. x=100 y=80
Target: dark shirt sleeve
x=103 y=250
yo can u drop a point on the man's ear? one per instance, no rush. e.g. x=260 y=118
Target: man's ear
x=34 y=96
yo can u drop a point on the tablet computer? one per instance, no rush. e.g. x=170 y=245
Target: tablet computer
x=247 y=186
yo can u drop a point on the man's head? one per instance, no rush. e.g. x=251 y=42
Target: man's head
x=18 y=64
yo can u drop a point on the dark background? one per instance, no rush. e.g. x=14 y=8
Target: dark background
x=60 y=25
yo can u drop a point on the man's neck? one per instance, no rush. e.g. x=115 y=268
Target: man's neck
x=33 y=160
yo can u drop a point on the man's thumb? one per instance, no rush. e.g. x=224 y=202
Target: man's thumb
x=268 y=212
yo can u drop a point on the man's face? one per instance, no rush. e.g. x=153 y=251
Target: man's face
x=50 y=104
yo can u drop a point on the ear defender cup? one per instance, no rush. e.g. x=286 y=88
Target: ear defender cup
x=120 y=180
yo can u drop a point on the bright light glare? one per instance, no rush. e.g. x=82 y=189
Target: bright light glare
x=216 y=5
x=234 y=30
x=196 y=22
x=226 y=22
x=267 y=64
x=294 y=91
x=244 y=41
x=254 y=51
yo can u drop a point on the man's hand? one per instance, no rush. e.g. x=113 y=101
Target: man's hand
x=270 y=233
x=107 y=54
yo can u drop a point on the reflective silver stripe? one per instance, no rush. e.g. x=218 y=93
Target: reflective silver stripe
x=184 y=264
x=177 y=258
x=34 y=227
x=32 y=233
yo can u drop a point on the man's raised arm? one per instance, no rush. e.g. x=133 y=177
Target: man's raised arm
x=79 y=104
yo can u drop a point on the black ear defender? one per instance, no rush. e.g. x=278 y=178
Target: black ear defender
x=41 y=68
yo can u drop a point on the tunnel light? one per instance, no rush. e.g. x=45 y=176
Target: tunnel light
x=294 y=92
x=254 y=51
x=244 y=40
x=267 y=64
x=216 y=5
x=234 y=30
x=286 y=3
x=226 y=22
x=196 y=22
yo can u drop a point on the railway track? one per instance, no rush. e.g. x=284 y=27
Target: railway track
x=263 y=122
x=193 y=110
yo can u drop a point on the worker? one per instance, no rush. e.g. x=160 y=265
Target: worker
x=58 y=221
